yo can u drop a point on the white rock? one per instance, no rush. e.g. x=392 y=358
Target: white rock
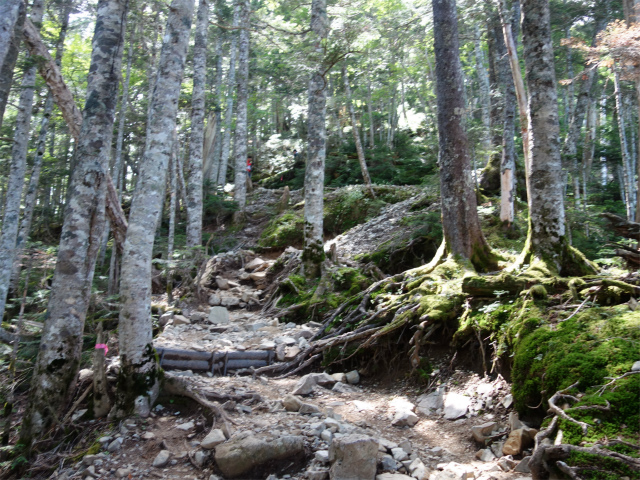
x=485 y=455
x=161 y=459
x=480 y=432
x=353 y=377
x=340 y=377
x=322 y=456
x=253 y=264
x=353 y=457
x=507 y=401
x=418 y=469
x=636 y=367
x=181 y=320
x=186 y=426
x=405 y=419
x=86 y=375
x=455 y=405
x=215 y=437
x=340 y=387
x=428 y=404
x=399 y=454
x=219 y=315
x=223 y=283
x=393 y=476
x=214 y=300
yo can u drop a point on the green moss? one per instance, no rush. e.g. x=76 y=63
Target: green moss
x=596 y=467
x=284 y=230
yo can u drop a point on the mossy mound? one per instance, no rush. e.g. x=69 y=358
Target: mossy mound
x=344 y=208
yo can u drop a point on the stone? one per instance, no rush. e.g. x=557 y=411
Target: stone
x=219 y=315
x=123 y=472
x=291 y=352
x=186 y=426
x=514 y=421
x=253 y=264
x=485 y=455
x=388 y=463
x=519 y=440
x=340 y=387
x=214 y=438
x=214 y=300
x=322 y=456
x=455 y=405
x=399 y=454
x=428 y=404
x=317 y=474
x=258 y=277
x=223 y=283
x=418 y=469
x=406 y=446
x=305 y=384
x=523 y=466
x=340 y=377
x=393 y=476
x=229 y=301
x=78 y=415
x=291 y=403
x=85 y=375
x=507 y=401
x=181 y=320
x=636 y=366
x=507 y=463
x=115 y=445
x=148 y=436
x=241 y=455
x=480 y=432
x=496 y=448
x=353 y=457
x=198 y=316
x=164 y=318
x=200 y=457
x=254 y=327
x=308 y=409
x=353 y=377
x=326 y=435
x=405 y=419
x=162 y=459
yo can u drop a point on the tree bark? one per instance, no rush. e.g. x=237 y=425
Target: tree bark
x=356 y=132
x=15 y=182
x=485 y=95
x=240 y=141
x=547 y=238
x=137 y=382
x=231 y=85
x=460 y=221
x=627 y=173
x=313 y=250
x=12 y=16
x=61 y=342
x=521 y=95
x=196 y=144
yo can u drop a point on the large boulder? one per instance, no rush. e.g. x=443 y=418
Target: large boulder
x=455 y=406
x=353 y=457
x=240 y=456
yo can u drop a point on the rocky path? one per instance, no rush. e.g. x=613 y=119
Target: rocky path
x=314 y=427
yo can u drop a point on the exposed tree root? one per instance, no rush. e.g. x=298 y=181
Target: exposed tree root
x=174 y=385
x=544 y=455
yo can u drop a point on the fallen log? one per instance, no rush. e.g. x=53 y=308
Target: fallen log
x=214 y=362
x=623 y=227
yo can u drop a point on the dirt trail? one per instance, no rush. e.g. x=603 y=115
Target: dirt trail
x=257 y=405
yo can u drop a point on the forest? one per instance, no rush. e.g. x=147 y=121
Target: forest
x=345 y=239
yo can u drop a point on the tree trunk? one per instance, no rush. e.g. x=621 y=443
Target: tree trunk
x=627 y=173
x=137 y=382
x=240 y=141
x=521 y=96
x=372 y=139
x=356 y=132
x=313 y=250
x=173 y=183
x=196 y=144
x=508 y=163
x=15 y=182
x=61 y=343
x=460 y=221
x=547 y=238
x=228 y=114
x=217 y=145
x=485 y=95
x=12 y=15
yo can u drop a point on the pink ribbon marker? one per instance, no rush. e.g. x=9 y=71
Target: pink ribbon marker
x=103 y=346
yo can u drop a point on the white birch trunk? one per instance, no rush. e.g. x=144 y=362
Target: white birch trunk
x=240 y=142
x=355 y=131
x=173 y=183
x=61 y=343
x=624 y=149
x=372 y=139
x=138 y=376
x=15 y=183
x=228 y=114
x=313 y=250
x=12 y=14
x=196 y=145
